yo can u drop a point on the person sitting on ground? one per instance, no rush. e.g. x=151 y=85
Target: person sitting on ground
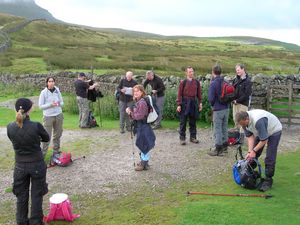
x=30 y=168
x=220 y=113
x=81 y=88
x=125 y=100
x=145 y=138
x=189 y=104
x=262 y=127
x=51 y=102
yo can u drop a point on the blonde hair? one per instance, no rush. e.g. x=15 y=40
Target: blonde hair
x=20 y=116
x=140 y=88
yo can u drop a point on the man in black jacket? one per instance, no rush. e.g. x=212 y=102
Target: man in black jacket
x=158 y=89
x=243 y=90
x=26 y=137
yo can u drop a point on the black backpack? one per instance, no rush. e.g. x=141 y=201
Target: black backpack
x=92 y=120
x=245 y=175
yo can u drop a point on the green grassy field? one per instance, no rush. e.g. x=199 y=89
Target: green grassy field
x=42 y=47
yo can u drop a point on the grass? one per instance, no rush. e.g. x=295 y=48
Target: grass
x=171 y=206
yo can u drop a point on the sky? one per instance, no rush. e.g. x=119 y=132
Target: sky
x=273 y=19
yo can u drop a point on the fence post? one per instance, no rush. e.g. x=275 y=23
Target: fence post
x=269 y=98
x=290 y=110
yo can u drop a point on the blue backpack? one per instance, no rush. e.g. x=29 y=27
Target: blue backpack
x=245 y=175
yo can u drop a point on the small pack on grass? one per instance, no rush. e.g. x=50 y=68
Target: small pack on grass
x=245 y=175
x=227 y=92
x=92 y=120
x=62 y=159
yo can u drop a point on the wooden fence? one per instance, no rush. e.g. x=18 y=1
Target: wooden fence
x=284 y=102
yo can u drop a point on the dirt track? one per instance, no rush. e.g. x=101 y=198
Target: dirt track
x=108 y=168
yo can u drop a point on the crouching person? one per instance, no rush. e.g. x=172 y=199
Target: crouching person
x=262 y=127
x=30 y=167
x=145 y=138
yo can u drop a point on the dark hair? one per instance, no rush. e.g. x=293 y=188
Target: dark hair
x=243 y=115
x=22 y=106
x=217 y=70
x=188 y=67
x=48 y=78
x=242 y=66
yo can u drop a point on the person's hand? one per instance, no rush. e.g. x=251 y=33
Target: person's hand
x=123 y=90
x=128 y=110
x=250 y=154
x=200 y=107
x=54 y=104
x=178 y=109
x=154 y=92
x=234 y=102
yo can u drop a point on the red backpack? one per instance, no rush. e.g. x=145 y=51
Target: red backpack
x=62 y=159
x=227 y=92
x=60 y=209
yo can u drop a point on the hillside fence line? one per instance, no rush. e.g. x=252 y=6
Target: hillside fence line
x=265 y=88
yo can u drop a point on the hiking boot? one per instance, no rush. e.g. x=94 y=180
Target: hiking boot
x=122 y=131
x=146 y=165
x=194 y=140
x=182 y=142
x=216 y=151
x=141 y=166
x=225 y=147
x=155 y=127
x=266 y=184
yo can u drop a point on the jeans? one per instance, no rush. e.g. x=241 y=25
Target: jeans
x=220 y=120
x=24 y=173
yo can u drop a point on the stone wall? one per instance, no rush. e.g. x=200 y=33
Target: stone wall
x=108 y=83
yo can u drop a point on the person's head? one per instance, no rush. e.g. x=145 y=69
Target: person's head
x=216 y=70
x=23 y=107
x=240 y=69
x=149 y=75
x=242 y=118
x=189 y=71
x=81 y=76
x=129 y=75
x=138 y=92
x=50 y=82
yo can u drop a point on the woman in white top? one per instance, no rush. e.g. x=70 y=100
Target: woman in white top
x=51 y=102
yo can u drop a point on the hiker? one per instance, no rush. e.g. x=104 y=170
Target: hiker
x=81 y=88
x=243 y=91
x=220 y=113
x=145 y=138
x=125 y=100
x=158 y=92
x=51 y=102
x=261 y=127
x=189 y=104
x=30 y=168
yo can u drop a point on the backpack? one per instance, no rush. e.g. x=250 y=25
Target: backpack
x=92 y=120
x=60 y=209
x=62 y=159
x=153 y=110
x=227 y=92
x=245 y=175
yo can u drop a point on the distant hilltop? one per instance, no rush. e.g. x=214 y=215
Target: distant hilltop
x=26 y=8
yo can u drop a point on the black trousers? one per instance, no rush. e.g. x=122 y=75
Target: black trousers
x=192 y=124
x=24 y=174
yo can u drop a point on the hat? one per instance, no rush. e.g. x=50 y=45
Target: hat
x=82 y=75
x=23 y=103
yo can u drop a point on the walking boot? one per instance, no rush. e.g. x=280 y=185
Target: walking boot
x=225 y=147
x=266 y=184
x=216 y=151
x=140 y=166
x=194 y=140
x=146 y=166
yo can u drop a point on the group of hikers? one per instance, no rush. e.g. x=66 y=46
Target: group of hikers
x=259 y=126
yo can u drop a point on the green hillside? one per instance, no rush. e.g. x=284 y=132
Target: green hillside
x=42 y=47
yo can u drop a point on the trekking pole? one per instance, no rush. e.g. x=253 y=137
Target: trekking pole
x=237 y=195
x=99 y=109
x=131 y=136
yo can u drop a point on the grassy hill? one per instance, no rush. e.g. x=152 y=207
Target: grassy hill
x=42 y=47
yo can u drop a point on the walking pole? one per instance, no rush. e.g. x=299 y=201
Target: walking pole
x=237 y=195
x=132 y=142
x=99 y=110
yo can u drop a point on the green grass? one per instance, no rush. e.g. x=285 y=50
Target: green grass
x=171 y=206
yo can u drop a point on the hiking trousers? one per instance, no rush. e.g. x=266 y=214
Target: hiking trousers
x=220 y=120
x=24 y=174
x=55 y=124
x=160 y=105
x=83 y=105
x=124 y=118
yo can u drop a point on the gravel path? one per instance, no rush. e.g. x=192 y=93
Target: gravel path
x=108 y=168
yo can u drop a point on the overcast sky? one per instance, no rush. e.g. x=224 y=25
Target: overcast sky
x=274 y=19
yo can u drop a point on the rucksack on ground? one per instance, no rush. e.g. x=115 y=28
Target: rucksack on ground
x=60 y=209
x=92 y=120
x=61 y=159
x=153 y=110
x=227 y=92
x=245 y=175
